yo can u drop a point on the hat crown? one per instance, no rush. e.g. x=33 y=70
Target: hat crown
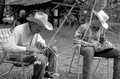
x=103 y=16
x=42 y=17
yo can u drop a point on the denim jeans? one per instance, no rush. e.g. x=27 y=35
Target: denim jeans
x=39 y=69
x=90 y=52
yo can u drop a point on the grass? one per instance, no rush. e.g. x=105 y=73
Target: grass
x=64 y=37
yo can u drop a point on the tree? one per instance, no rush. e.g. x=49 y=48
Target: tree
x=2 y=3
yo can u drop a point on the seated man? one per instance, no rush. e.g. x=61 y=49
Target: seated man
x=26 y=39
x=93 y=43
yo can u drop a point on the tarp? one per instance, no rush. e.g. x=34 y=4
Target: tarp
x=25 y=2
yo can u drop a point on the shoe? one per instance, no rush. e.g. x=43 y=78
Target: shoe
x=56 y=75
x=47 y=75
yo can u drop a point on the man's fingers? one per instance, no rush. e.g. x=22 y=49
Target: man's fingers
x=41 y=45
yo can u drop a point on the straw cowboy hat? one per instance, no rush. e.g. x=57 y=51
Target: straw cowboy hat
x=103 y=17
x=41 y=19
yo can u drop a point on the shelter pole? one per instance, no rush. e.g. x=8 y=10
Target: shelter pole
x=62 y=24
x=90 y=18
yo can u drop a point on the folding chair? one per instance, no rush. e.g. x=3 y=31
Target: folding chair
x=78 y=63
x=4 y=34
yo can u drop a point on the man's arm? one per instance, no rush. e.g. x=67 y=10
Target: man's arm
x=104 y=41
x=40 y=42
x=10 y=46
x=78 y=35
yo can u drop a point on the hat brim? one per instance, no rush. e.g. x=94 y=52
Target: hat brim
x=48 y=25
x=104 y=24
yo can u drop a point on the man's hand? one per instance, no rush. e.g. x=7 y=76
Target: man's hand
x=41 y=45
x=30 y=49
x=92 y=44
x=95 y=43
x=108 y=44
x=88 y=44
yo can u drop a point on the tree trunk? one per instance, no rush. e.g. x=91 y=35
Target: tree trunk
x=2 y=3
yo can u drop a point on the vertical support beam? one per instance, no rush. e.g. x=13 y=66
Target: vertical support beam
x=79 y=46
x=2 y=4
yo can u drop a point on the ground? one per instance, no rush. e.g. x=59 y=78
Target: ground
x=64 y=37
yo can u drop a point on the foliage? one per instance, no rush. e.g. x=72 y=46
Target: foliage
x=82 y=10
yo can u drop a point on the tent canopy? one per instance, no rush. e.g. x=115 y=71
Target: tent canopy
x=25 y=2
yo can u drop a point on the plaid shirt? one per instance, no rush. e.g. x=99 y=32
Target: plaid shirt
x=90 y=35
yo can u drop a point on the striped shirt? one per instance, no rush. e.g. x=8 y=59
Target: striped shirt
x=20 y=38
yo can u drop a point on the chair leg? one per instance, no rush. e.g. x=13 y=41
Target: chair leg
x=108 y=68
x=23 y=68
x=72 y=61
x=78 y=62
x=78 y=67
x=2 y=58
x=7 y=71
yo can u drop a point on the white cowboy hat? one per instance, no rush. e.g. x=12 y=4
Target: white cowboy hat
x=41 y=19
x=103 y=17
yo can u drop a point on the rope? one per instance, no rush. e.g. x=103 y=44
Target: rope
x=61 y=24
x=90 y=19
x=63 y=51
x=90 y=24
x=38 y=62
x=64 y=21
x=66 y=50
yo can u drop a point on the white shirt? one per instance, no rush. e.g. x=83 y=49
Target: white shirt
x=20 y=38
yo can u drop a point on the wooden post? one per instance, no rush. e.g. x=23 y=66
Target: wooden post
x=2 y=3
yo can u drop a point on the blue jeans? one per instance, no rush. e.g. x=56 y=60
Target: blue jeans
x=90 y=52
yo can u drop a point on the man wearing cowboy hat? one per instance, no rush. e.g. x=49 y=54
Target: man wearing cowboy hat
x=94 y=43
x=26 y=39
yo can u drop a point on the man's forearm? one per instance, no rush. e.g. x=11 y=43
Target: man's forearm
x=10 y=47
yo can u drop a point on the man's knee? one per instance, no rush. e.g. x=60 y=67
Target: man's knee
x=87 y=51
x=117 y=50
x=54 y=49
x=42 y=59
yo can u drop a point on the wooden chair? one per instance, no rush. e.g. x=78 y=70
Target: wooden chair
x=4 y=34
x=77 y=51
